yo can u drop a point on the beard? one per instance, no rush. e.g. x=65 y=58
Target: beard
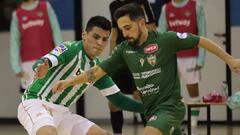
x=135 y=41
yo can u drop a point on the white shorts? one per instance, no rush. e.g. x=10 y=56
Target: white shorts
x=29 y=74
x=34 y=114
x=186 y=70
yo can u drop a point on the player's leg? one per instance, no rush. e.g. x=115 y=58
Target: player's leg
x=137 y=96
x=121 y=79
x=35 y=118
x=73 y=124
x=96 y=130
x=47 y=130
x=194 y=97
x=93 y=130
x=116 y=117
x=166 y=120
x=192 y=78
x=149 y=130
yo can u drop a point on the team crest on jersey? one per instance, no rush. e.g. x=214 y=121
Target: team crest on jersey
x=152 y=60
x=151 y=48
x=40 y=14
x=171 y=15
x=59 y=50
x=152 y=118
x=182 y=35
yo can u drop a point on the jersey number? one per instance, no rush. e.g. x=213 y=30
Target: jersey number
x=78 y=72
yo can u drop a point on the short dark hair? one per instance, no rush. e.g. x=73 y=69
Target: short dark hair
x=133 y=10
x=98 y=21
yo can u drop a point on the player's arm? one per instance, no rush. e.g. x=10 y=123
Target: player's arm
x=54 y=25
x=89 y=76
x=162 y=22
x=15 y=46
x=201 y=23
x=110 y=90
x=61 y=54
x=209 y=45
x=125 y=103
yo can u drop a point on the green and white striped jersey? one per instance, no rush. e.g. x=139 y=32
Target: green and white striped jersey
x=68 y=59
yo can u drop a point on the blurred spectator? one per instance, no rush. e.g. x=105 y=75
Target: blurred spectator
x=34 y=32
x=187 y=16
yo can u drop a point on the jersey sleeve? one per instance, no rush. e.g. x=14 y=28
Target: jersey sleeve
x=125 y=103
x=114 y=62
x=15 y=44
x=162 y=23
x=175 y=41
x=106 y=86
x=62 y=54
x=201 y=19
x=54 y=25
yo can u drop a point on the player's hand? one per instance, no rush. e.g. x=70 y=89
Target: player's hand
x=234 y=65
x=60 y=85
x=41 y=70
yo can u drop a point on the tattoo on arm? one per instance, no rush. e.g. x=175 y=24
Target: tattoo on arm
x=90 y=75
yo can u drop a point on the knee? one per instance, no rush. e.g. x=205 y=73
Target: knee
x=105 y=133
x=47 y=130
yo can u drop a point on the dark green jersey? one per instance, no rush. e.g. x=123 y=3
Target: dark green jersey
x=67 y=59
x=153 y=66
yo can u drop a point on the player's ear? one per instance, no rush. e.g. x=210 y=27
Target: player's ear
x=84 y=35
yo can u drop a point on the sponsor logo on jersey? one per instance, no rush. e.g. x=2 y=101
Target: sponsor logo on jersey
x=33 y=23
x=129 y=52
x=152 y=60
x=182 y=35
x=151 y=48
x=141 y=61
x=177 y=22
x=152 y=118
x=148 y=89
x=146 y=74
x=59 y=50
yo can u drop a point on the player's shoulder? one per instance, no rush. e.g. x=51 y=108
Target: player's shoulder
x=180 y=35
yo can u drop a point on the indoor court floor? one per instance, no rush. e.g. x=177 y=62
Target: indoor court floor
x=131 y=129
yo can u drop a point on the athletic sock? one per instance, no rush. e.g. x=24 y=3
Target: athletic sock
x=117 y=122
x=195 y=112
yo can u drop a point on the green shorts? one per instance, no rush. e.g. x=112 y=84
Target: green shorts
x=168 y=119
